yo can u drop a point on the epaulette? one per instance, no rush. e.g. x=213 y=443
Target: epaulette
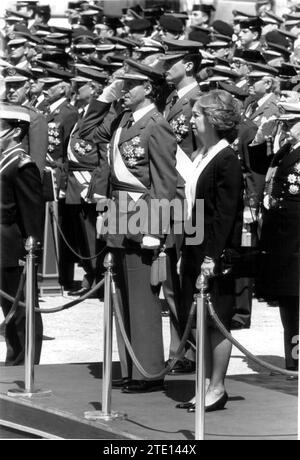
x=24 y=160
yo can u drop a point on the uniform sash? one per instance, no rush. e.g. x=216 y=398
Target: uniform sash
x=120 y=170
x=9 y=156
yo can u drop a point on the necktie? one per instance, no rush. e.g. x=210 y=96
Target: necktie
x=173 y=100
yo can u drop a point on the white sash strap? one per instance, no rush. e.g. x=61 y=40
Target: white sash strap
x=198 y=170
x=121 y=172
x=83 y=177
x=184 y=165
x=10 y=157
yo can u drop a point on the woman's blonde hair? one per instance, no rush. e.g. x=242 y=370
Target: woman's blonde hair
x=222 y=111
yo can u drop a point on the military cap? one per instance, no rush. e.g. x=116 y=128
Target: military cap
x=288 y=35
x=291 y=110
x=222 y=28
x=16 y=74
x=198 y=36
x=239 y=16
x=170 y=23
x=251 y=23
x=113 y=22
x=88 y=13
x=221 y=72
x=231 y=88
x=107 y=66
x=90 y=74
x=250 y=56
x=277 y=38
x=141 y=72
x=219 y=44
x=38 y=72
x=18 y=41
x=126 y=42
x=269 y=15
x=281 y=50
x=182 y=15
x=57 y=56
x=176 y=49
x=261 y=70
x=116 y=58
x=287 y=71
x=58 y=74
x=56 y=42
x=105 y=47
x=135 y=11
x=43 y=9
x=139 y=25
x=14 y=112
x=18 y=14
x=208 y=9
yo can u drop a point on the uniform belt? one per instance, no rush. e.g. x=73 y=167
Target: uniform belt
x=119 y=187
x=77 y=167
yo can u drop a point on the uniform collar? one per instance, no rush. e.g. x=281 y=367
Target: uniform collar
x=183 y=91
x=57 y=104
x=139 y=114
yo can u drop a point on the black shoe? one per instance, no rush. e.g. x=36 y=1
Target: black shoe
x=80 y=292
x=185 y=405
x=183 y=367
x=143 y=386
x=236 y=325
x=120 y=383
x=218 y=405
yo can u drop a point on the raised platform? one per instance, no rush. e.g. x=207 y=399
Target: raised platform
x=260 y=407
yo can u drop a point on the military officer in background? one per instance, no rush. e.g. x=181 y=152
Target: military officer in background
x=17 y=85
x=83 y=158
x=61 y=117
x=279 y=274
x=181 y=63
x=21 y=216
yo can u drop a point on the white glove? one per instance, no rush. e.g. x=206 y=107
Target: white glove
x=150 y=242
x=207 y=267
x=112 y=92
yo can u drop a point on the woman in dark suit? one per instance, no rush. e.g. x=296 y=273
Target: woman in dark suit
x=217 y=179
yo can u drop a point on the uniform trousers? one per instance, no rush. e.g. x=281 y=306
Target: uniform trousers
x=289 y=313
x=141 y=312
x=15 y=329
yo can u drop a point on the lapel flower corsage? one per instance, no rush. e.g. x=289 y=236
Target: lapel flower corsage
x=82 y=147
x=180 y=127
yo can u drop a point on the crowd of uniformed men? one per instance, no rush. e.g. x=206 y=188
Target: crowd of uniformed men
x=60 y=84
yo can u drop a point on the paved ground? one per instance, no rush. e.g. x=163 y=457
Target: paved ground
x=77 y=335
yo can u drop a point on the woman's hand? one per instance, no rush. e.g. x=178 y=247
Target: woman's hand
x=208 y=267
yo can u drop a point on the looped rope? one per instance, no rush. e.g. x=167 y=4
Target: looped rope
x=240 y=347
x=182 y=344
x=69 y=246
x=19 y=293
x=62 y=307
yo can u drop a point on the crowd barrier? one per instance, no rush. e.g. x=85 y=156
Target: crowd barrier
x=202 y=304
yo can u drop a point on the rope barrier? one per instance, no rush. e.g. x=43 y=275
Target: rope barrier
x=19 y=293
x=62 y=307
x=182 y=344
x=240 y=347
x=69 y=246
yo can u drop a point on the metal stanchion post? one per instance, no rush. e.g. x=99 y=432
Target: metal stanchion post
x=201 y=284
x=30 y=391
x=106 y=412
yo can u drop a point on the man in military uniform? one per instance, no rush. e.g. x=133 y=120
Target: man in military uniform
x=22 y=213
x=142 y=146
x=61 y=117
x=83 y=158
x=17 y=92
x=279 y=276
x=181 y=63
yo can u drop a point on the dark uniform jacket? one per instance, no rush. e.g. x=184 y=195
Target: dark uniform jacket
x=83 y=158
x=36 y=143
x=60 y=124
x=22 y=204
x=147 y=150
x=280 y=237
